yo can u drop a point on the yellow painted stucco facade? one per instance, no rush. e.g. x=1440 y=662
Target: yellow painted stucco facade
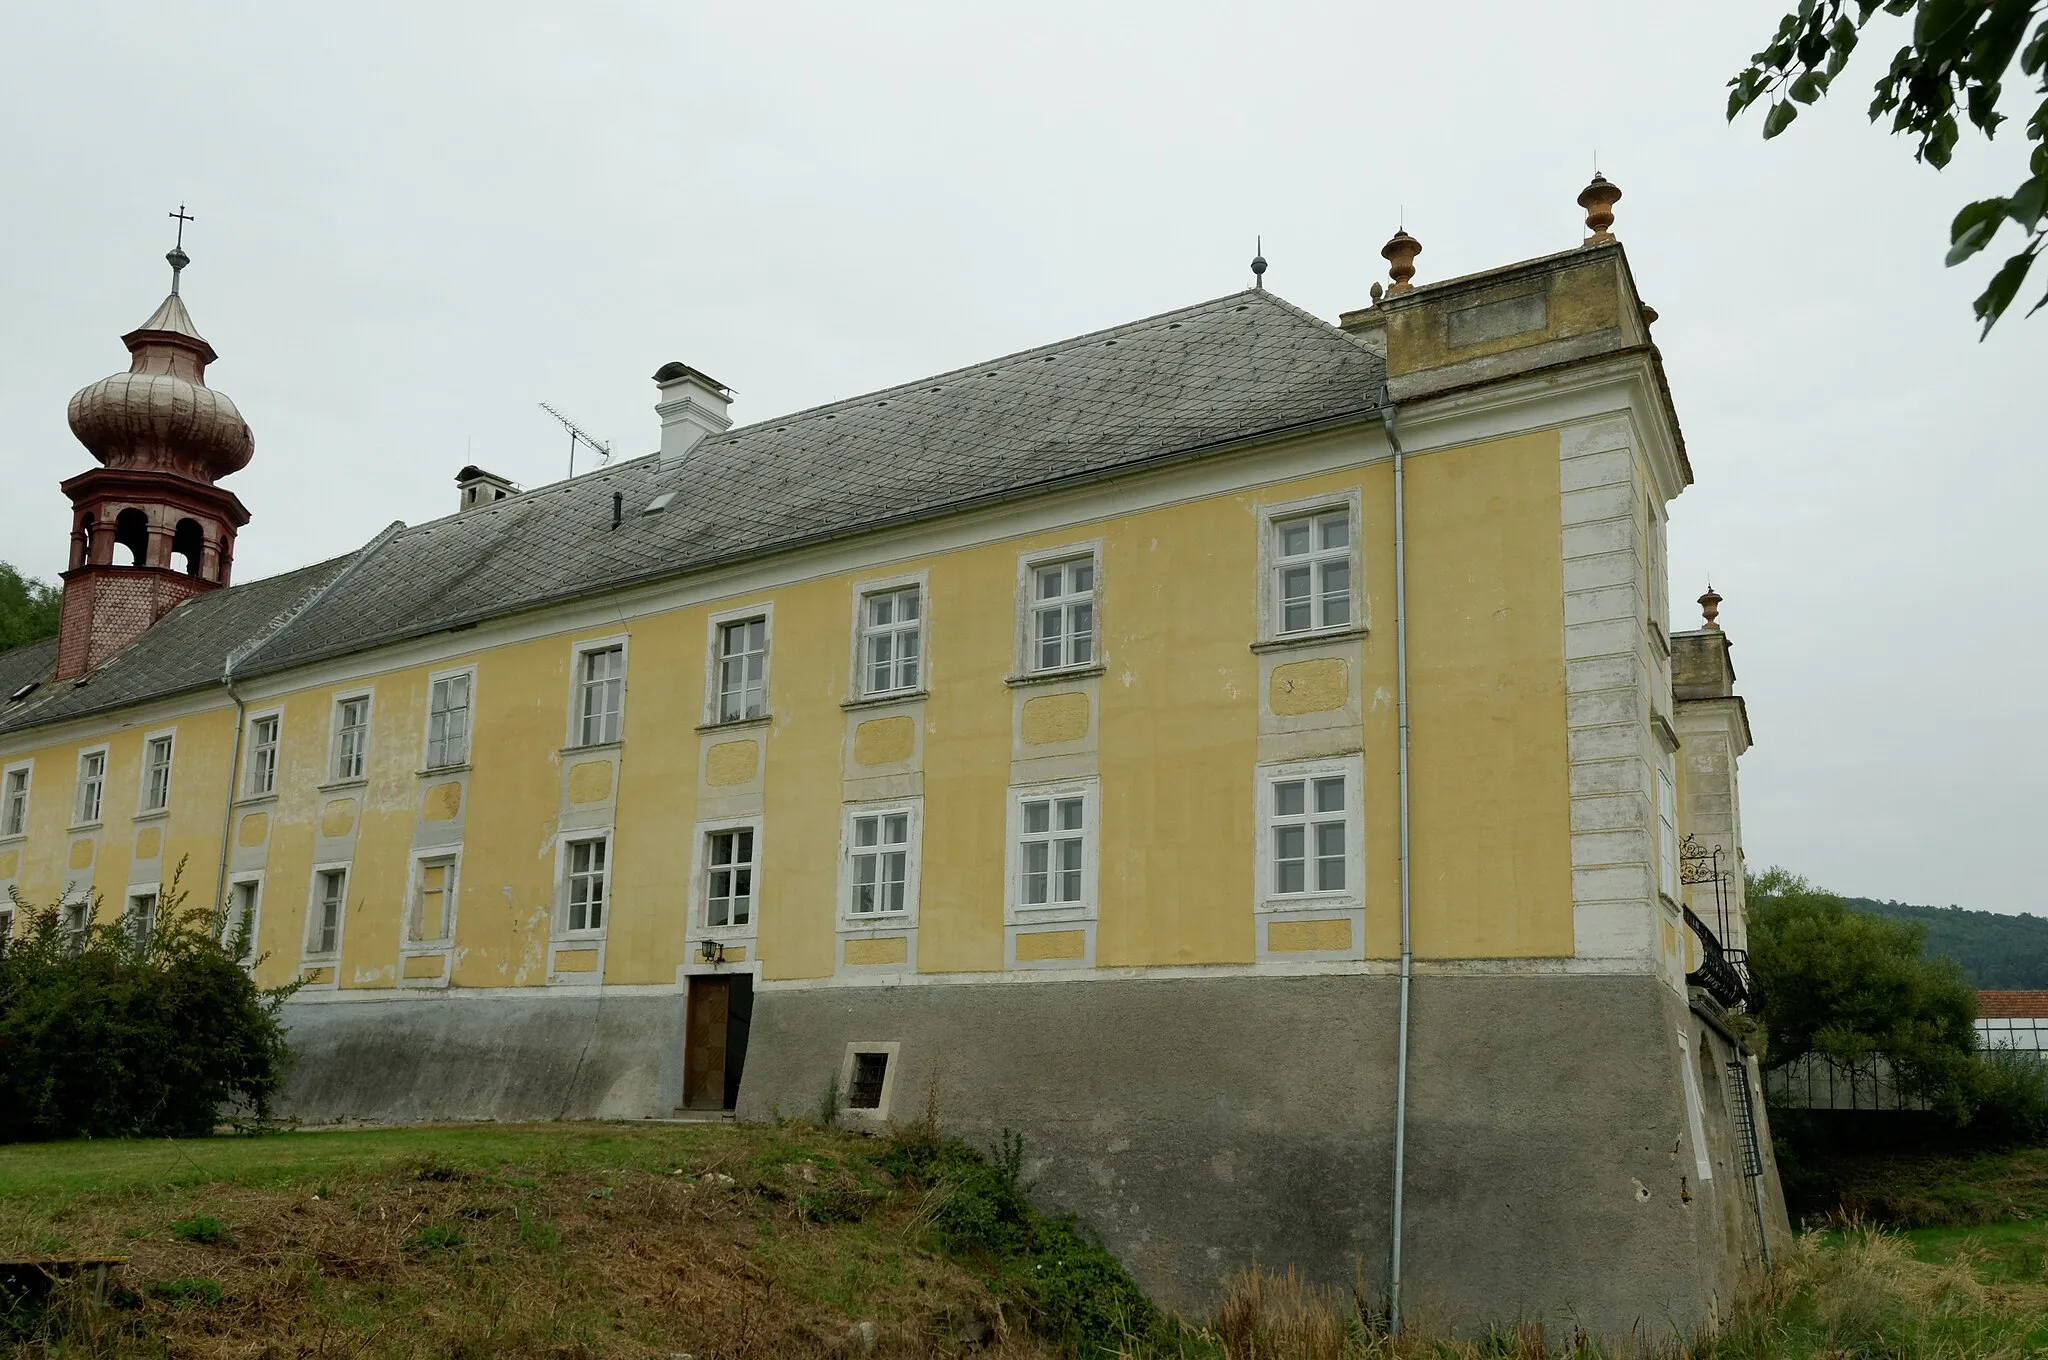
x=1173 y=719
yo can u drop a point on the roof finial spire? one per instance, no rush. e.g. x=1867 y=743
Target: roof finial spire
x=1259 y=262
x=1598 y=199
x=177 y=256
x=1400 y=253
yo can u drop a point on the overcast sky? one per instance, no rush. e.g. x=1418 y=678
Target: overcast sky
x=416 y=222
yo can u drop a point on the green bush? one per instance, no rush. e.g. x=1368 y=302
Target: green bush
x=2009 y=1098
x=1075 y=1291
x=106 y=1035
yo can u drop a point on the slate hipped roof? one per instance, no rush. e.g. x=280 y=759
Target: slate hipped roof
x=1237 y=368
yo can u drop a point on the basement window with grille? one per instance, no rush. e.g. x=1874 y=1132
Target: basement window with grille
x=869 y=1071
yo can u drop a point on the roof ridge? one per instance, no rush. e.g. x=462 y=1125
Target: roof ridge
x=912 y=384
x=969 y=370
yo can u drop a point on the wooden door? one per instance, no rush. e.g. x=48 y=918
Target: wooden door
x=704 y=1045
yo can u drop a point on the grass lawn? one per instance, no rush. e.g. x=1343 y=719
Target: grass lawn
x=638 y=1240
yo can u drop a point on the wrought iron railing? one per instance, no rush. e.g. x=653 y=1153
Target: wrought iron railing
x=1723 y=972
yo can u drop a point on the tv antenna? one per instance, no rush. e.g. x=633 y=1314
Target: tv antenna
x=578 y=435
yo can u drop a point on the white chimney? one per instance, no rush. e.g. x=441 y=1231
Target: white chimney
x=692 y=406
x=481 y=488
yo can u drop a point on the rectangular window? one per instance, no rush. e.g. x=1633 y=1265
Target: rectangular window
x=1052 y=850
x=140 y=918
x=1667 y=830
x=1312 y=571
x=1063 y=614
x=742 y=669
x=1311 y=835
x=239 y=925
x=77 y=922
x=880 y=853
x=156 y=774
x=263 y=756
x=330 y=892
x=433 y=901
x=1310 y=832
x=601 y=695
x=351 y=736
x=870 y=1071
x=6 y=927
x=92 y=778
x=14 y=803
x=448 y=721
x=729 y=882
x=589 y=880
x=892 y=640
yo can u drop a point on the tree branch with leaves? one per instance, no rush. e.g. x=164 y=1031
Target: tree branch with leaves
x=1959 y=57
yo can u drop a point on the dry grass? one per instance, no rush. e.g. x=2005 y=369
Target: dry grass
x=722 y=1254
x=1842 y=1295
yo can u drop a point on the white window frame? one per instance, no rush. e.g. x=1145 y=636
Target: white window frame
x=579 y=655
x=1016 y=910
x=314 y=903
x=1271 y=613
x=565 y=845
x=913 y=853
x=335 y=774
x=15 y=803
x=427 y=765
x=75 y=919
x=1267 y=894
x=1667 y=826
x=99 y=802
x=6 y=926
x=1028 y=567
x=252 y=764
x=863 y=591
x=1654 y=566
x=143 y=807
x=714 y=637
x=700 y=879
x=252 y=879
x=136 y=892
x=416 y=863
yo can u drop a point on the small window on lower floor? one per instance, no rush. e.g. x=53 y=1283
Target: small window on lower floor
x=869 y=1071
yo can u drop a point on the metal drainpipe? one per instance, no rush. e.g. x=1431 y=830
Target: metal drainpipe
x=227 y=811
x=1388 y=412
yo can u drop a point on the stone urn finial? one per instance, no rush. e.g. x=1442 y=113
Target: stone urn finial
x=1710 y=605
x=1598 y=199
x=1400 y=253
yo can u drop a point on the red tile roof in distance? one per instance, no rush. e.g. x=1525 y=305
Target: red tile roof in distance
x=2012 y=1005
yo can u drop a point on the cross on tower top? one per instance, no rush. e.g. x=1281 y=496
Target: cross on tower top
x=177 y=256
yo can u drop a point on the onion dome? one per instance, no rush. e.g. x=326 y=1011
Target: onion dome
x=160 y=414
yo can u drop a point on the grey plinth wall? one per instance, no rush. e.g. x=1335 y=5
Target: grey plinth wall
x=444 y=1055
x=1202 y=1124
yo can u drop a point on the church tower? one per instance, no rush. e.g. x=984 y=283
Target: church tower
x=149 y=526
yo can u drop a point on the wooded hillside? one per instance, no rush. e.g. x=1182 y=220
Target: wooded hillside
x=1997 y=951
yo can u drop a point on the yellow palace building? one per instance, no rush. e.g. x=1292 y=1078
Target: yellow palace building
x=1249 y=755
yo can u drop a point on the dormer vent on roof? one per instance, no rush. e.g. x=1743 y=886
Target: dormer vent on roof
x=692 y=407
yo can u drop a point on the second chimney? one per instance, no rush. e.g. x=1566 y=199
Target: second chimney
x=693 y=405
